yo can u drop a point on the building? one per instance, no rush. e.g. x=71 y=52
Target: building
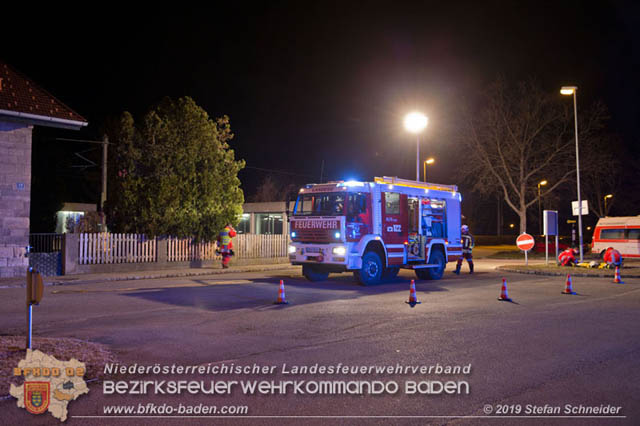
x=263 y=218
x=23 y=105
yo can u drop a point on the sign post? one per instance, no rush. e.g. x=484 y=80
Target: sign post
x=525 y=242
x=35 y=288
x=550 y=228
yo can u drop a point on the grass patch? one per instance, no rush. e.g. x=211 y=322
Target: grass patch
x=552 y=269
x=12 y=351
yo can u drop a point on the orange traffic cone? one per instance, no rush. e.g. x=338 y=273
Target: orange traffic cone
x=281 y=298
x=617 y=279
x=413 y=299
x=568 y=289
x=504 y=296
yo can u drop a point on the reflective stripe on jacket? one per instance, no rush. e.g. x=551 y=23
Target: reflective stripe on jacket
x=467 y=243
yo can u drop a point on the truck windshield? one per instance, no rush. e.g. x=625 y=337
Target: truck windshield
x=321 y=204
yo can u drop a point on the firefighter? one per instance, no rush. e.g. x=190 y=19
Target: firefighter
x=225 y=244
x=467 y=248
x=612 y=257
x=568 y=257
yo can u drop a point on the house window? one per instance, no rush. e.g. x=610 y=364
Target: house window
x=269 y=223
x=244 y=226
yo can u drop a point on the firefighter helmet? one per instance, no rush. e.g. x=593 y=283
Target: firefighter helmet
x=464 y=228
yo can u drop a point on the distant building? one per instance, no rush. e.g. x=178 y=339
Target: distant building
x=72 y=212
x=22 y=105
x=263 y=218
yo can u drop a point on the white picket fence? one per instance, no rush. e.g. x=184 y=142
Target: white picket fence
x=185 y=249
x=106 y=248
x=253 y=246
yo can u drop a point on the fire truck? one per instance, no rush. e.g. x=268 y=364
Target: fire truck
x=375 y=228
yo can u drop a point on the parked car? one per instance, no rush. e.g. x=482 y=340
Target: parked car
x=563 y=244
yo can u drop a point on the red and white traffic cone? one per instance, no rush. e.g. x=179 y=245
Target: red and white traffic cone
x=617 y=279
x=281 y=298
x=504 y=296
x=413 y=299
x=568 y=289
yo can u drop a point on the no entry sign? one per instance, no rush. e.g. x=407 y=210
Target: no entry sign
x=525 y=242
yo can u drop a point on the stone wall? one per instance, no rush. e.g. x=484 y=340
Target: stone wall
x=15 y=193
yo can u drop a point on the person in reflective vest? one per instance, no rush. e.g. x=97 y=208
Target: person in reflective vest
x=225 y=244
x=567 y=257
x=467 y=249
x=612 y=257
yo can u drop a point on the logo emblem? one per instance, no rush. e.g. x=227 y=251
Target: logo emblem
x=36 y=397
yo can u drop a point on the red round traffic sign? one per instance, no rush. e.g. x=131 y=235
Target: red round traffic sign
x=525 y=242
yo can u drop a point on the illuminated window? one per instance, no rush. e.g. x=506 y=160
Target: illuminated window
x=269 y=223
x=244 y=226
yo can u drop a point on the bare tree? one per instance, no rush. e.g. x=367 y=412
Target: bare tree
x=603 y=173
x=519 y=135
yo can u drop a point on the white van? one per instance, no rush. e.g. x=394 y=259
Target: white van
x=622 y=233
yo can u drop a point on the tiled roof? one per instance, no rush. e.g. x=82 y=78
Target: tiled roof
x=20 y=94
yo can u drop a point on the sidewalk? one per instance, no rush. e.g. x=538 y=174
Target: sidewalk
x=145 y=275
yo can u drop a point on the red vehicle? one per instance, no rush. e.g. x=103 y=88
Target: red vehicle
x=375 y=228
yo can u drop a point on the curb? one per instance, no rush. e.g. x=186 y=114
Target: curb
x=168 y=274
x=561 y=274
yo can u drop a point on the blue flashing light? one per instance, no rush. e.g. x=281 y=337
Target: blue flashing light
x=293 y=234
x=351 y=183
x=337 y=235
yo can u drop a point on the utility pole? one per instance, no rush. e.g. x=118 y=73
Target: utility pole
x=103 y=194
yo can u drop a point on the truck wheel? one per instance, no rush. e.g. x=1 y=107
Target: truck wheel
x=433 y=273
x=423 y=274
x=313 y=273
x=371 y=271
x=436 y=257
x=390 y=273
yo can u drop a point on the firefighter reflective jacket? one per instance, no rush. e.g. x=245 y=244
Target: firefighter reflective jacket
x=467 y=243
x=224 y=238
x=612 y=257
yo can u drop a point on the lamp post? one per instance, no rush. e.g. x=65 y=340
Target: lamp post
x=605 y=202
x=572 y=90
x=427 y=161
x=541 y=183
x=415 y=122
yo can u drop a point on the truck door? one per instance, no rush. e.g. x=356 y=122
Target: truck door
x=394 y=226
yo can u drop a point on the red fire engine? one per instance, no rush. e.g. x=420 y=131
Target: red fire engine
x=375 y=228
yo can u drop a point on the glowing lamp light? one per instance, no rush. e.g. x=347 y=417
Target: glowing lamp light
x=511 y=226
x=293 y=234
x=339 y=251
x=430 y=161
x=337 y=235
x=415 y=122
x=543 y=183
x=568 y=90
x=292 y=249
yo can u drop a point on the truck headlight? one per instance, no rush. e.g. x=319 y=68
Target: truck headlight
x=339 y=251
x=292 y=249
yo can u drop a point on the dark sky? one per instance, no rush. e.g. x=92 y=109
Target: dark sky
x=309 y=81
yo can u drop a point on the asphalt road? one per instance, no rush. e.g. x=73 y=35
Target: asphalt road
x=544 y=349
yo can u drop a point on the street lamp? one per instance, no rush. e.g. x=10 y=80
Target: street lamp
x=427 y=161
x=605 y=202
x=541 y=183
x=572 y=90
x=415 y=122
